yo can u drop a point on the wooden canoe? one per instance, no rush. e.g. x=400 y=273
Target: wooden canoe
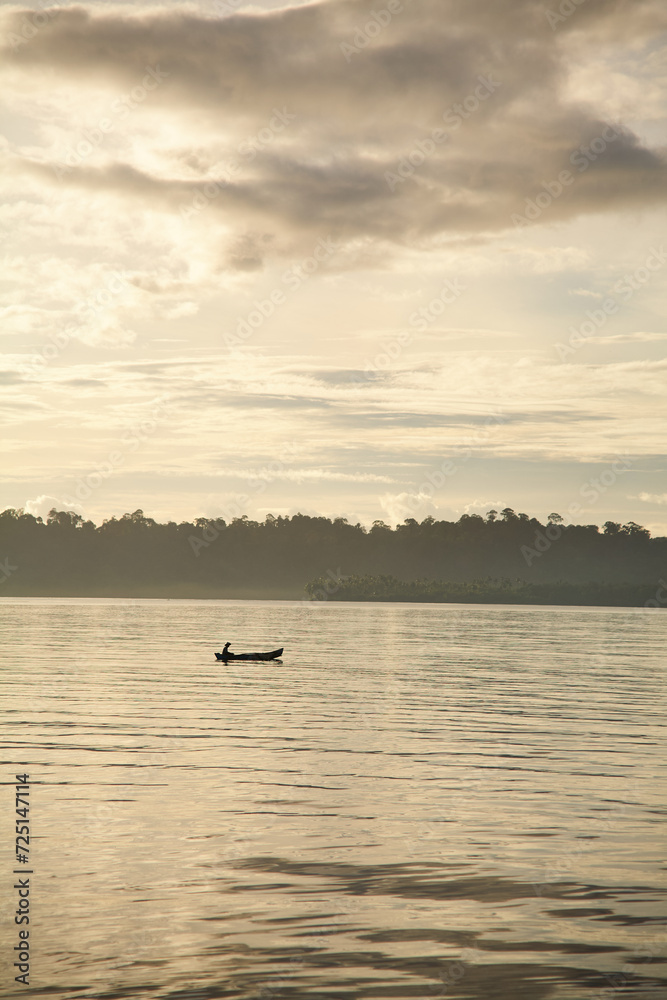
x=273 y=655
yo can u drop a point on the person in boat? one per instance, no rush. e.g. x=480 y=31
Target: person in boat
x=225 y=649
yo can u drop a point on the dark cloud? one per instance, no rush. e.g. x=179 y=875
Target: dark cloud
x=329 y=139
x=376 y=418
x=344 y=376
x=10 y=378
x=245 y=64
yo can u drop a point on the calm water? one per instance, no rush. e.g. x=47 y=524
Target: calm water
x=421 y=801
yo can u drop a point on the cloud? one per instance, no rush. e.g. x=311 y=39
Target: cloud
x=178 y=310
x=10 y=378
x=261 y=117
x=482 y=507
x=41 y=505
x=585 y=292
x=659 y=498
x=301 y=475
x=399 y=506
x=106 y=333
x=629 y=338
x=486 y=405
x=346 y=376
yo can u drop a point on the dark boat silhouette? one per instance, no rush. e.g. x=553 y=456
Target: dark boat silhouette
x=225 y=655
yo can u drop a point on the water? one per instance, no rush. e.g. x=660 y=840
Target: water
x=421 y=801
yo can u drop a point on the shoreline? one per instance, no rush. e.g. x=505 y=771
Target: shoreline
x=498 y=600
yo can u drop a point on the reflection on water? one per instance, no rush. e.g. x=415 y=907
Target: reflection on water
x=420 y=801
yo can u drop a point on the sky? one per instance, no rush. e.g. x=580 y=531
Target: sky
x=377 y=261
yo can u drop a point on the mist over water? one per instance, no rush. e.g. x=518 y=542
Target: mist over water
x=420 y=801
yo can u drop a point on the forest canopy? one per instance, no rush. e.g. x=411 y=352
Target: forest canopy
x=135 y=555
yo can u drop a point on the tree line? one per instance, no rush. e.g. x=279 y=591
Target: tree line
x=135 y=555
x=489 y=591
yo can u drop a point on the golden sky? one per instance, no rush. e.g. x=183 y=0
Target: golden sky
x=372 y=260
